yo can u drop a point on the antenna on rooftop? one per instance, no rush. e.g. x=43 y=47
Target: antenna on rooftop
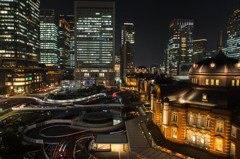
x=220 y=47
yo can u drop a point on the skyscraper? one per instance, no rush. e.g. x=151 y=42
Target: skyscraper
x=19 y=46
x=19 y=21
x=199 y=49
x=64 y=43
x=95 y=41
x=71 y=22
x=49 y=53
x=117 y=69
x=233 y=35
x=127 y=49
x=180 y=46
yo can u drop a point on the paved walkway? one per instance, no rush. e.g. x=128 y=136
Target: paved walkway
x=138 y=143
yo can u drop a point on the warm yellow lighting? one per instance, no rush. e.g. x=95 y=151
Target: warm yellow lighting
x=117 y=147
x=202 y=140
x=233 y=82
x=182 y=101
x=19 y=83
x=204 y=97
x=212 y=65
x=8 y=83
x=195 y=65
x=238 y=65
x=237 y=82
x=207 y=81
x=194 y=138
x=218 y=144
x=212 y=81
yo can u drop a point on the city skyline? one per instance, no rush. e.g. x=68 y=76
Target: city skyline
x=209 y=20
x=75 y=79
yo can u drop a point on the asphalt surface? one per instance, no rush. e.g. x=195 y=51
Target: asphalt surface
x=47 y=132
x=7 y=103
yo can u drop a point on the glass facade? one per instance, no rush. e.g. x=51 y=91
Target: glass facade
x=64 y=43
x=94 y=41
x=19 y=33
x=199 y=50
x=127 y=49
x=180 y=46
x=49 y=53
x=71 y=22
x=233 y=40
x=94 y=36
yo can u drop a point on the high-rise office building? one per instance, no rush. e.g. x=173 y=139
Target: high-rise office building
x=117 y=69
x=71 y=22
x=233 y=35
x=180 y=46
x=94 y=41
x=199 y=50
x=19 y=46
x=64 y=43
x=49 y=53
x=127 y=49
x=19 y=21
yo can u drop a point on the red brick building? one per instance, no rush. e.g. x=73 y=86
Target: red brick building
x=207 y=115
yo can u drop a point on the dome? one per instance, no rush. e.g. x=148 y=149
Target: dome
x=219 y=64
x=141 y=67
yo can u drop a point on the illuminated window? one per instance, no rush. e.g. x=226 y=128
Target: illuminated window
x=199 y=139
x=195 y=80
x=174 y=117
x=189 y=135
x=212 y=82
x=234 y=131
x=101 y=74
x=219 y=125
x=207 y=81
x=86 y=74
x=217 y=82
x=218 y=144
x=195 y=119
x=204 y=97
x=208 y=123
x=174 y=132
x=194 y=138
x=184 y=45
x=233 y=82
x=203 y=120
x=183 y=39
x=233 y=150
x=237 y=82
x=207 y=141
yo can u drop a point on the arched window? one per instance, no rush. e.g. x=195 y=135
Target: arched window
x=194 y=138
x=207 y=141
x=198 y=138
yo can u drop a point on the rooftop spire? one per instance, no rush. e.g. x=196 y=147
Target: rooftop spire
x=220 y=47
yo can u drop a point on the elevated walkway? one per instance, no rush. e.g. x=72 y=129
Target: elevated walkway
x=138 y=143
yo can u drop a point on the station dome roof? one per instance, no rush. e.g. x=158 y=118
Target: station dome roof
x=219 y=64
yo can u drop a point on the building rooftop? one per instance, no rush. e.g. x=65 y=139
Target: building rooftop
x=219 y=64
x=138 y=143
x=111 y=139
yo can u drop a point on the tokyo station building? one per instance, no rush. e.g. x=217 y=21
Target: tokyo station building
x=200 y=119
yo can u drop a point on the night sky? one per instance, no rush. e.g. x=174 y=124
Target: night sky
x=152 y=18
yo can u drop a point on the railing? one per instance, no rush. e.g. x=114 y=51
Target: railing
x=77 y=100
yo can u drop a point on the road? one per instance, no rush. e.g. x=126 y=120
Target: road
x=7 y=103
x=66 y=149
